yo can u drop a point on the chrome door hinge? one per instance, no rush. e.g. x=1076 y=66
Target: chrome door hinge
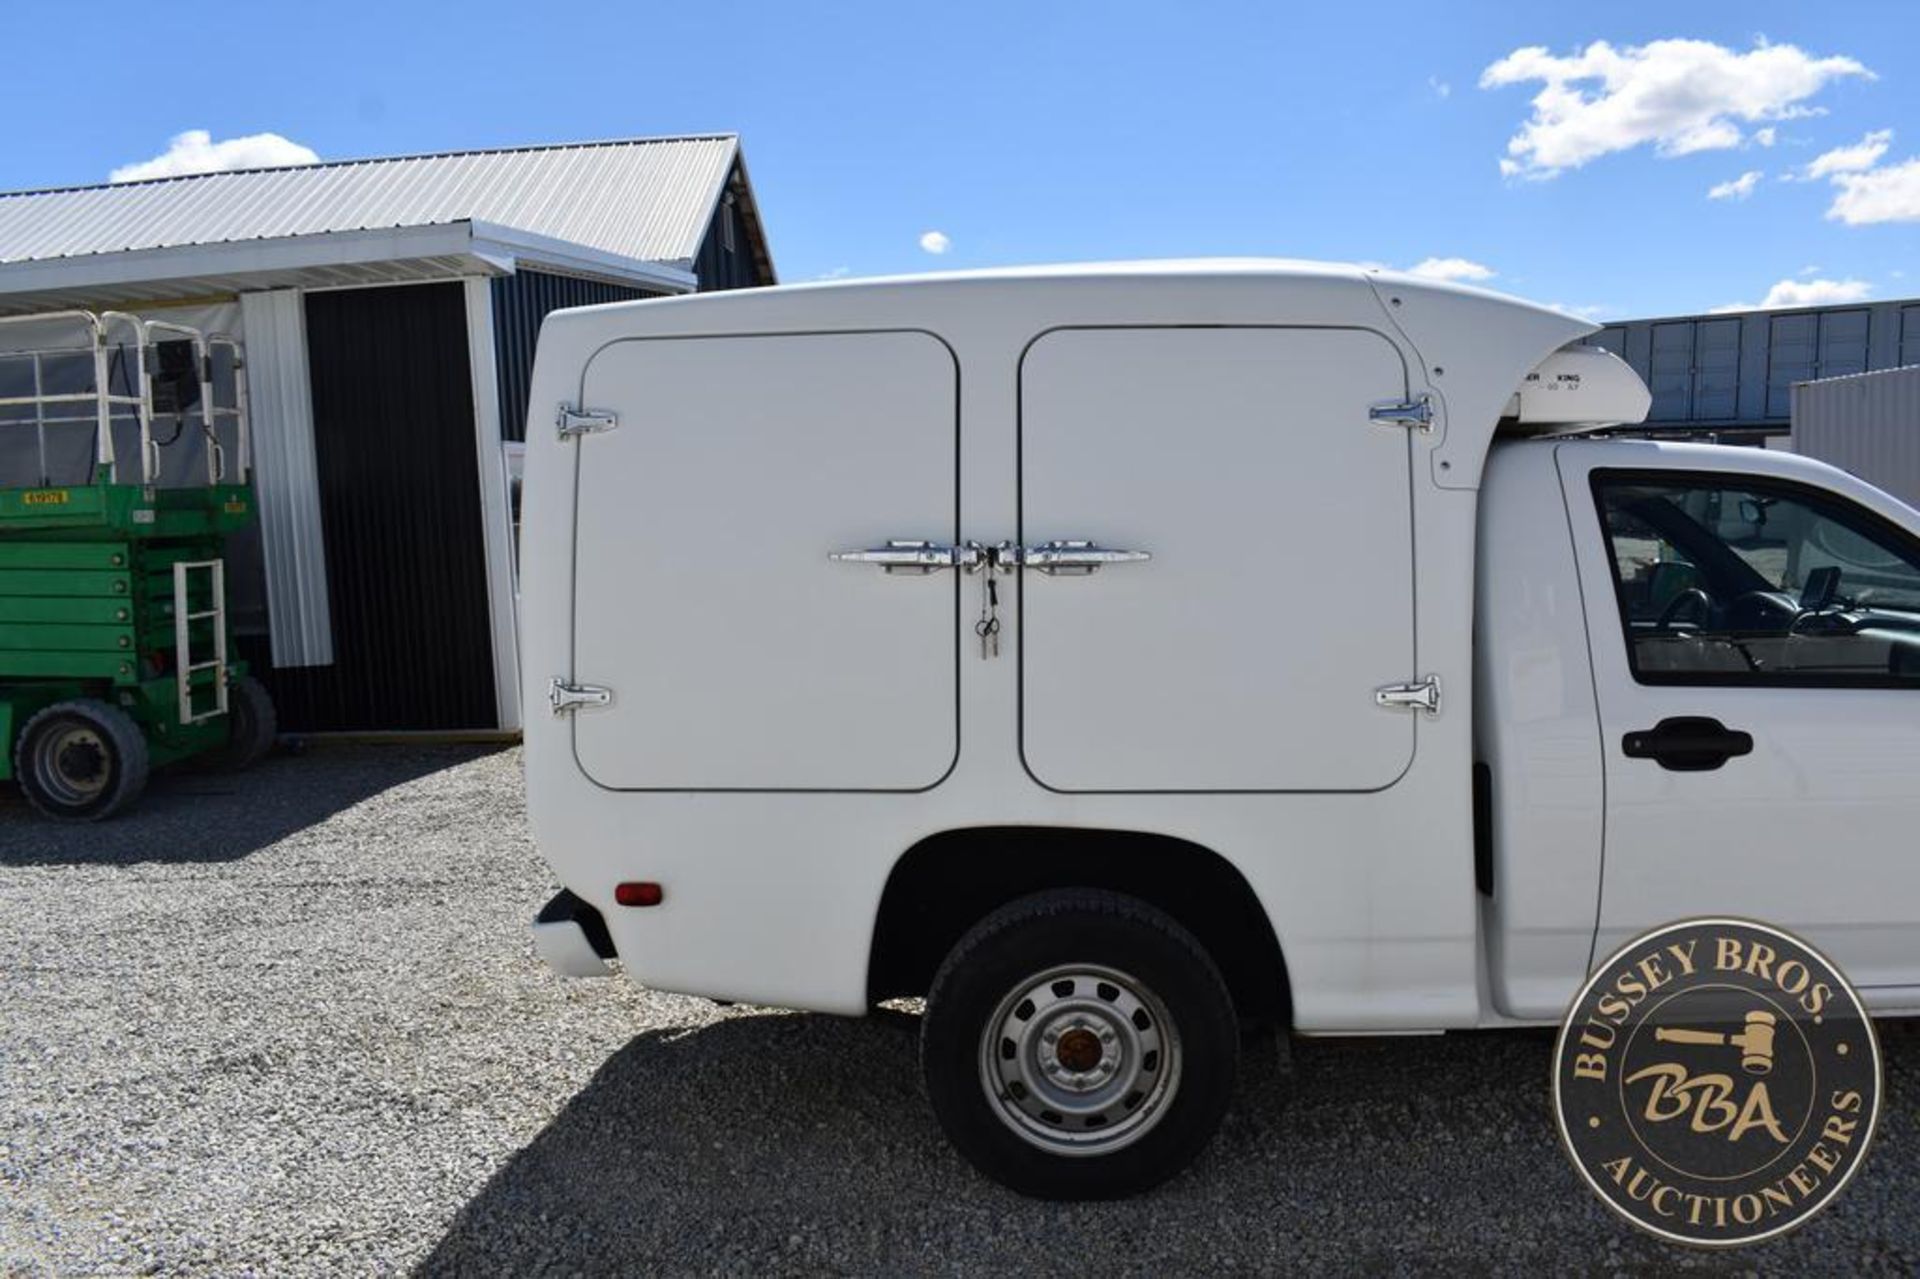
x=1424 y=696
x=1416 y=412
x=573 y=422
x=564 y=697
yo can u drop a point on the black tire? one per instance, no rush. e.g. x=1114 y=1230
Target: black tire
x=252 y=726
x=1121 y=958
x=81 y=761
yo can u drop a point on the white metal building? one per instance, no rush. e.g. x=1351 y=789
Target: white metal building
x=389 y=309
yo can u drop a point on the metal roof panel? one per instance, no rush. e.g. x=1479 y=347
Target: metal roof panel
x=643 y=198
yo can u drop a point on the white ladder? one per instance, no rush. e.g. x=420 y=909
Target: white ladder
x=183 y=619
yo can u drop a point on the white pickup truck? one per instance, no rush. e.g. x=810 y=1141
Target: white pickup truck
x=1118 y=656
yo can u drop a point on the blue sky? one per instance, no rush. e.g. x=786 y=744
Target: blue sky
x=1045 y=132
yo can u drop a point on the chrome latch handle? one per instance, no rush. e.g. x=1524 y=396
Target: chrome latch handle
x=1071 y=557
x=904 y=556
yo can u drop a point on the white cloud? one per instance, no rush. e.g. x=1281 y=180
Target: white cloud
x=1805 y=293
x=1735 y=188
x=1680 y=96
x=1591 y=312
x=936 y=242
x=1765 y=137
x=1866 y=191
x=1891 y=194
x=835 y=273
x=1451 y=269
x=1815 y=292
x=195 y=151
x=1860 y=155
x=1441 y=89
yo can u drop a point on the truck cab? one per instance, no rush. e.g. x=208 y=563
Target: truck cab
x=1731 y=642
x=1113 y=656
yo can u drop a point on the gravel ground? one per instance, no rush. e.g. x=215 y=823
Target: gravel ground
x=291 y=1024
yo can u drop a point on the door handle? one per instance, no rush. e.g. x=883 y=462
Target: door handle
x=1687 y=744
x=1065 y=558
x=902 y=556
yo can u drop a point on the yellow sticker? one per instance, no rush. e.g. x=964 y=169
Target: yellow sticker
x=44 y=497
x=235 y=507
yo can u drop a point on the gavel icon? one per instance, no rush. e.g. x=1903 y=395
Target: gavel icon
x=1755 y=1042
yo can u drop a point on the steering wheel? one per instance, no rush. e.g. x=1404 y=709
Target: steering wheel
x=1671 y=613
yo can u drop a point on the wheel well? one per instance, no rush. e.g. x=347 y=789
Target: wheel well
x=948 y=882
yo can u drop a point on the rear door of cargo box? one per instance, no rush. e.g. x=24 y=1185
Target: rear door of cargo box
x=1245 y=654
x=739 y=657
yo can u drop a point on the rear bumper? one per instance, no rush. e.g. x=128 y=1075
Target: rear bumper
x=572 y=937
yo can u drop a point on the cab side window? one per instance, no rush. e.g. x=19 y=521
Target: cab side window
x=1726 y=579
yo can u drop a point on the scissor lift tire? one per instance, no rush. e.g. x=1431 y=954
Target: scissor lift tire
x=252 y=729
x=81 y=761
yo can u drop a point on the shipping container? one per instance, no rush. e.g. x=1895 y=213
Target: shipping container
x=1868 y=424
x=1730 y=375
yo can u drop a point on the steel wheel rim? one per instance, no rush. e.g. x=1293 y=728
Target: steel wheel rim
x=1080 y=1060
x=73 y=765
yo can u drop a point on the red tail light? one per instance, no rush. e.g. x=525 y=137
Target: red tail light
x=642 y=892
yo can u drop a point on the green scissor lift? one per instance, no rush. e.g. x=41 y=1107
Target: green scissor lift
x=114 y=637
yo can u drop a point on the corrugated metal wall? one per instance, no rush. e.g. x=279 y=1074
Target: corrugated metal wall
x=1736 y=372
x=727 y=258
x=400 y=505
x=1869 y=425
x=520 y=302
x=286 y=479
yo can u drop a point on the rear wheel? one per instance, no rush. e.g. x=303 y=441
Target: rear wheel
x=251 y=726
x=81 y=760
x=1079 y=1044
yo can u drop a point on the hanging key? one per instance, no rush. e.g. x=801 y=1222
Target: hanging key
x=988 y=627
